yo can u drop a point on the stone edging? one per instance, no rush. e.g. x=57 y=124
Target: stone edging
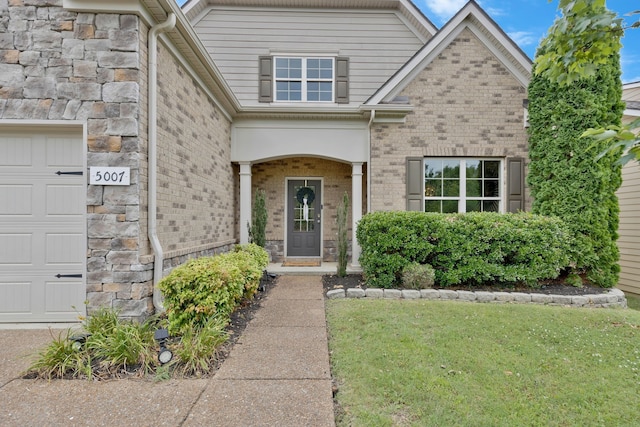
x=613 y=298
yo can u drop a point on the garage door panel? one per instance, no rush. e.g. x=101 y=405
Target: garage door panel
x=16 y=249
x=64 y=249
x=16 y=151
x=16 y=199
x=64 y=152
x=65 y=200
x=42 y=226
x=15 y=297
x=60 y=294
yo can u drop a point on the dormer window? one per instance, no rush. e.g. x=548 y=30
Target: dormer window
x=304 y=79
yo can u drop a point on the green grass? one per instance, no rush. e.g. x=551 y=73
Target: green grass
x=633 y=301
x=428 y=363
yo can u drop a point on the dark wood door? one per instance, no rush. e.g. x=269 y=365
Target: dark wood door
x=304 y=217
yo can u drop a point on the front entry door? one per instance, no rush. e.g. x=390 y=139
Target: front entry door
x=304 y=217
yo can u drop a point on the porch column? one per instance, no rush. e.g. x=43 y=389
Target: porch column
x=356 y=210
x=245 y=201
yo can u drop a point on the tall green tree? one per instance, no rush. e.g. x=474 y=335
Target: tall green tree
x=564 y=179
x=581 y=41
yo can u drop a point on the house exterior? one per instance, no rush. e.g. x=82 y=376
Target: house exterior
x=134 y=134
x=629 y=229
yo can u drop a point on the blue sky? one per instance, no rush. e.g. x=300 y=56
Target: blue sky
x=527 y=22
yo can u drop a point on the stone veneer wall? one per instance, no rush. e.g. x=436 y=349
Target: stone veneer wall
x=62 y=65
x=270 y=176
x=466 y=104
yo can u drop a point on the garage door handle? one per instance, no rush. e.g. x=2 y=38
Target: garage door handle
x=68 y=275
x=69 y=173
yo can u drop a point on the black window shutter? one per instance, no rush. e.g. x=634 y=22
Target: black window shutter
x=515 y=184
x=415 y=176
x=265 y=80
x=342 y=80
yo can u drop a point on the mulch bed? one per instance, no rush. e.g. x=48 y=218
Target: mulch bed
x=550 y=288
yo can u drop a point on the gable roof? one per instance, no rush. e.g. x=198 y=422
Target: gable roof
x=194 y=9
x=471 y=17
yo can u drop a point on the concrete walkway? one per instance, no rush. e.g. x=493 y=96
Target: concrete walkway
x=276 y=375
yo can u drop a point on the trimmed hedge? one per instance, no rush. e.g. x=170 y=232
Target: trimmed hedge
x=464 y=249
x=212 y=286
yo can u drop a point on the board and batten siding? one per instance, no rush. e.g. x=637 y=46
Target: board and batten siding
x=377 y=43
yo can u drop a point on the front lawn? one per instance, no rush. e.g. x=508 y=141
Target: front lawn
x=443 y=363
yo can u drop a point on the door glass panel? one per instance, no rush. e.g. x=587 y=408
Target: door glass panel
x=304 y=209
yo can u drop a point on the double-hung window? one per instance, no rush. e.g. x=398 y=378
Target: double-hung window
x=323 y=79
x=304 y=79
x=462 y=185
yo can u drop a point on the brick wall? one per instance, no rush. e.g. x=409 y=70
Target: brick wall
x=466 y=104
x=271 y=177
x=196 y=198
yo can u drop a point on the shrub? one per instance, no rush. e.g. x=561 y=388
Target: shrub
x=418 y=276
x=258 y=228
x=252 y=260
x=211 y=286
x=343 y=239
x=471 y=249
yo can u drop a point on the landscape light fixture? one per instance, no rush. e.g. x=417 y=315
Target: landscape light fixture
x=164 y=355
x=78 y=341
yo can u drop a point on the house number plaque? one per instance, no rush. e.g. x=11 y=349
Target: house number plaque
x=103 y=175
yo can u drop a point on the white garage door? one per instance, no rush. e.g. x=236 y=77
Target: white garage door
x=42 y=226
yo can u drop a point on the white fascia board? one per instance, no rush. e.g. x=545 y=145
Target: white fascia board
x=413 y=10
x=126 y=7
x=631 y=112
x=632 y=85
x=442 y=40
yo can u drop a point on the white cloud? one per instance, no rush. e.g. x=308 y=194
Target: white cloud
x=523 y=38
x=445 y=9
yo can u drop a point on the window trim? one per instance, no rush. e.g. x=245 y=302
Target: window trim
x=462 y=197
x=304 y=80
